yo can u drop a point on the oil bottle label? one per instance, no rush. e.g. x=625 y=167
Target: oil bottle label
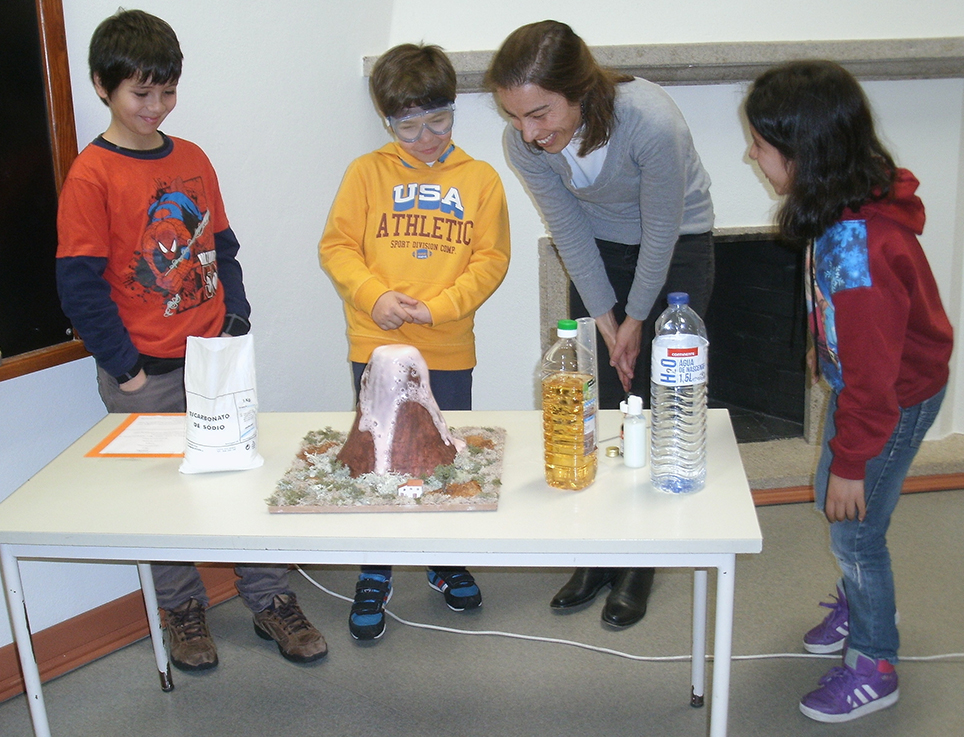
x=589 y=403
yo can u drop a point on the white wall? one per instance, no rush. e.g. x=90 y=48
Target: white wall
x=278 y=101
x=468 y=25
x=921 y=121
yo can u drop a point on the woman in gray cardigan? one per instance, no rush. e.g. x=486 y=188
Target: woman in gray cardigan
x=611 y=164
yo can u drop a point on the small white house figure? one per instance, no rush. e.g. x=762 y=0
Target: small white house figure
x=411 y=488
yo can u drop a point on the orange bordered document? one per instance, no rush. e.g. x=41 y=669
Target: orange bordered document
x=144 y=436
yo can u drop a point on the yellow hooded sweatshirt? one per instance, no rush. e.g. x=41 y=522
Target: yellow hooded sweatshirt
x=437 y=233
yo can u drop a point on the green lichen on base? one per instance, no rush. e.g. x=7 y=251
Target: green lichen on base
x=316 y=480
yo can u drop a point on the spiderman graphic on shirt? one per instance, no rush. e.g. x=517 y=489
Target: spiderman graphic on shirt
x=176 y=258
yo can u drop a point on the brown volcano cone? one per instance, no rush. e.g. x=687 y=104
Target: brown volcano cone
x=358 y=452
x=417 y=447
x=396 y=403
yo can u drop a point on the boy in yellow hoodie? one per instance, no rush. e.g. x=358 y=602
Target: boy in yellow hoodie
x=417 y=239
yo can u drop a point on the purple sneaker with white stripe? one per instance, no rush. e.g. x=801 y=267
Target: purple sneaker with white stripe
x=859 y=687
x=830 y=635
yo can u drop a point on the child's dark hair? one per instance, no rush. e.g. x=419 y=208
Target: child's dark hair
x=412 y=75
x=549 y=54
x=817 y=116
x=133 y=44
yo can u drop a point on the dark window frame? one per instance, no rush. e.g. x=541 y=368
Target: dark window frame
x=63 y=151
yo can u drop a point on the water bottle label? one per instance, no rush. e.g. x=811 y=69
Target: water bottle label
x=679 y=360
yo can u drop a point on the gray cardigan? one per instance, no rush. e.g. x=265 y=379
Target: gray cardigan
x=652 y=189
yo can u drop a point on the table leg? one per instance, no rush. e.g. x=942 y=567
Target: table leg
x=154 y=625
x=699 y=638
x=723 y=647
x=21 y=633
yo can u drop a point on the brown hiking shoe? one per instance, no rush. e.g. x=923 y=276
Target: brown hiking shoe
x=286 y=624
x=188 y=637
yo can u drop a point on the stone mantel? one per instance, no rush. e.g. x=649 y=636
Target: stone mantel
x=722 y=63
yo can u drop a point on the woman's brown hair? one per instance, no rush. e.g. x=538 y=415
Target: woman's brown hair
x=550 y=55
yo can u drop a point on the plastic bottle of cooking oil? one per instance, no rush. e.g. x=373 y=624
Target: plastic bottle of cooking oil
x=568 y=413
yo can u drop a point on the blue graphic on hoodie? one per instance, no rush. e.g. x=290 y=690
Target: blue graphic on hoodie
x=842 y=262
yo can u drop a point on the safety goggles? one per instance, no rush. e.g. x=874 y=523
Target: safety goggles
x=438 y=120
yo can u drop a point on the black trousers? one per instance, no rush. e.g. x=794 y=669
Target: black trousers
x=691 y=270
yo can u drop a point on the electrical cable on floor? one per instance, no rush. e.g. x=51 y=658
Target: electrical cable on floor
x=606 y=650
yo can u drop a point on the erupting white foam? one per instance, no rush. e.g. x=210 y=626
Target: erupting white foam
x=396 y=374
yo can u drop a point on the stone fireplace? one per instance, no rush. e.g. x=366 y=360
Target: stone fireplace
x=756 y=323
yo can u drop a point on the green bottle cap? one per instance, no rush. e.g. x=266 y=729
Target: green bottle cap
x=567 y=329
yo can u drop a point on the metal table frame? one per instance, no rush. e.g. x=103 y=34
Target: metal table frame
x=111 y=510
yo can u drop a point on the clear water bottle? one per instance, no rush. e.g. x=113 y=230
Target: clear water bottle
x=678 y=399
x=568 y=413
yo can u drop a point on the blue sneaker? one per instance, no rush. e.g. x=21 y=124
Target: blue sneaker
x=830 y=635
x=458 y=586
x=859 y=687
x=367 y=618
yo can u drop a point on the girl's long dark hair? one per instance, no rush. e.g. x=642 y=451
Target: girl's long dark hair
x=816 y=114
x=550 y=55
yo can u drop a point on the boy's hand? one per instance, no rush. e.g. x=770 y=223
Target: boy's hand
x=391 y=310
x=845 y=499
x=132 y=385
x=420 y=313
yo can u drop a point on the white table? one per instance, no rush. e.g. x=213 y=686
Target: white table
x=81 y=508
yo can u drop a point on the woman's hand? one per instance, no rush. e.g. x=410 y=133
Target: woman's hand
x=392 y=309
x=623 y=356
x=845 y=499
x=623 y=342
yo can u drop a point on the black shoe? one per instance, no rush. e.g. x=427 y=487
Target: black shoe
x=367 y=618
x=626 y=603
x=459 y=587
x=582 y=587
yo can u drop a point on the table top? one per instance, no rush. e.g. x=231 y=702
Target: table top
x=145 y=503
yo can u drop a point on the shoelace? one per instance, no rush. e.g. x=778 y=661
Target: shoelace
x=837 y=673
x=190 y=622
x=291 y=615
x=834 y=605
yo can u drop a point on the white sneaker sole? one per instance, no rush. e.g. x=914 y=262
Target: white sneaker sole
x=868 y=708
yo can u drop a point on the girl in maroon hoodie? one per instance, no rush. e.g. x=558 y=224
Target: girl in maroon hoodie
x=883 y=343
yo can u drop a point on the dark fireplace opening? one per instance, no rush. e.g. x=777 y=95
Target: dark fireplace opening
x=756 y=323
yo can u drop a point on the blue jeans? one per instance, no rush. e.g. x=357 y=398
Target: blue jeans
x=861 y=547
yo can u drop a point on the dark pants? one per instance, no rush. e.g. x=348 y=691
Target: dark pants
x=176 y=583
x=690 y=271
x=451 y=389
